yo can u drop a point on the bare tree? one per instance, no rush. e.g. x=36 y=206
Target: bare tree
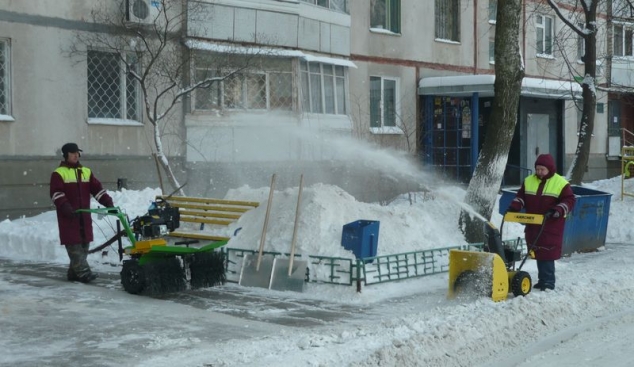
x=589 y=34
x=509 y=72
x=155 y=60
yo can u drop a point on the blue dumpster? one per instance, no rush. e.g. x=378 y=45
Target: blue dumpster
x=361 y=237
x=586 y=226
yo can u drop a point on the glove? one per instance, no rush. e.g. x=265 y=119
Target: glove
x=513 y=208
x=552 y=213
x=67 y=210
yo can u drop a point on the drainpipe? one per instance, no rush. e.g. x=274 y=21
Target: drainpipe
x=609 y=45
x=475 y=37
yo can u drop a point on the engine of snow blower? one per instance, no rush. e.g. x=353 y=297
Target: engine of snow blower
x=160 y=220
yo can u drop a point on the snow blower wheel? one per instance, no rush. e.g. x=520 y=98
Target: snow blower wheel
x=132 y=277
x=521 y=284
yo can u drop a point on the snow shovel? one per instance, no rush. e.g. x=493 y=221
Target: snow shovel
x=256 y=270
x=289 y=274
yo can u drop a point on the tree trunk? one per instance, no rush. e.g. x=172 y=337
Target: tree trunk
x=164 y=162
x=579 y=164
x=487 y=177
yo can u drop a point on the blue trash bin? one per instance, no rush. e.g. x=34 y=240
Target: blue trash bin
x=587 y=225
x=361 y=237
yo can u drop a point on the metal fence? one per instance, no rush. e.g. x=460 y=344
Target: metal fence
x=366 y=271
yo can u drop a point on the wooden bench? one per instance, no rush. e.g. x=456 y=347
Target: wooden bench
x=206 y=211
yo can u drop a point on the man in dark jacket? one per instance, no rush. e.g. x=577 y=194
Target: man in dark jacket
x=71 y=187
x=547 y=193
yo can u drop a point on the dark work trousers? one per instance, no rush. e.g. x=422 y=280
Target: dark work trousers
x=78 y=264
x=546 y=273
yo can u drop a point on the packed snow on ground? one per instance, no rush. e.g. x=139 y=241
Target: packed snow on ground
x=587 y=321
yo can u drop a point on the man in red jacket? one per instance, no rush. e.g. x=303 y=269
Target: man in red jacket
x=547 y=193
x=71 y=187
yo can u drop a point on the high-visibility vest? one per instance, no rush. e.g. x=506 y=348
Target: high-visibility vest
x=69 y=174
x=552 y=187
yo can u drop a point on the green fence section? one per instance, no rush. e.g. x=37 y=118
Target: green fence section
x=367 y=271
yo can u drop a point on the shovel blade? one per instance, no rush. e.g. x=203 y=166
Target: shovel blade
x=251 y=275
x=281 y=281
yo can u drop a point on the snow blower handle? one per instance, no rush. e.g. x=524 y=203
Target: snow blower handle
x=528 y=218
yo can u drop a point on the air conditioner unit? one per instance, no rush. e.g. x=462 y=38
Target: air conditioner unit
x=142 y=11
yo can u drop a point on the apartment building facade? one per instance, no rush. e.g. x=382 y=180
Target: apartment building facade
x=294 y=75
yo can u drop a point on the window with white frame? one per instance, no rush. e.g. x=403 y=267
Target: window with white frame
x=268 y=88
x=5 y=77
x=323 y=88
x=112 y=91
x=492 y=51
x=448 y=20
x=338 y=5
x=544 y=29
x=386 y=14
x=623 y=39
x=493 y=10
x=383 y=101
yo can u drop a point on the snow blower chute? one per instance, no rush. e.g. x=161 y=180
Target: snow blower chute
x=492 y=273
x=154 y=267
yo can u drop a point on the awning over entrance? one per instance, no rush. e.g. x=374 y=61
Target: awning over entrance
x=466 y=85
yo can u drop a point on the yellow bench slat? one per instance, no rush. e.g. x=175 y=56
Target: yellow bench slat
x=198 y=236
x=186 y=199
x=207 y=221
x=209 y=214
x=211 y=207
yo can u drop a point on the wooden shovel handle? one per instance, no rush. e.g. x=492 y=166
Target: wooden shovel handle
x=266 y=222
x=299 y=200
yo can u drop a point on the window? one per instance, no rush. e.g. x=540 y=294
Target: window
x=492 y=51
x=544 y=27
x=623 y=40
x=581 y=44
x=337 y=5
x=448 y=20
x=270 y=88
x=623 y=8
x=112 y=92
x=386 y=14
x=5 y=77
x=323 y=88
x=383 y=109
x=493 y=10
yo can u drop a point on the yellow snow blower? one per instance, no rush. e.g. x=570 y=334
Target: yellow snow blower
x=492 y=273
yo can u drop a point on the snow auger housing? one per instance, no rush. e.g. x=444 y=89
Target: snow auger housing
x=154 y=267
x=492 y=273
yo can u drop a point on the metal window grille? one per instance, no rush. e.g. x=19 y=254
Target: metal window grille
x=448 y=19
x=112 y=91
x=323 y=88
x=5 y=81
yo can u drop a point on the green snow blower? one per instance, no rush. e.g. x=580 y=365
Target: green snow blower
x=154 y=267
x=492 y=273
